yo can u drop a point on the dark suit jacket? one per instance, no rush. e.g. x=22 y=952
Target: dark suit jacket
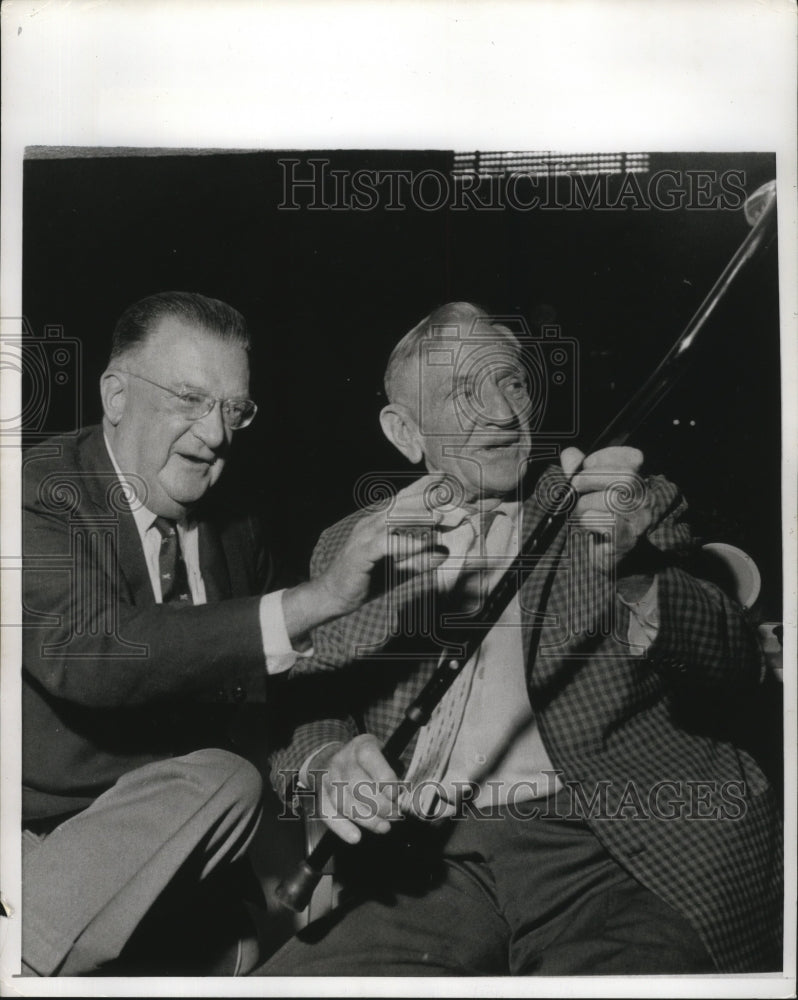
x=112 y=680
x=618 y=725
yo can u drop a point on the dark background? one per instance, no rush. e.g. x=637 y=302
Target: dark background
x=328 y=293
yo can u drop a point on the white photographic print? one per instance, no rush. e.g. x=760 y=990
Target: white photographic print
x=398 y=498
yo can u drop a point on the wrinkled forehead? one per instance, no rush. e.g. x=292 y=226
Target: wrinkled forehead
x=458 y=359
x=186 y=354
x=489 y=340
x=446 y=353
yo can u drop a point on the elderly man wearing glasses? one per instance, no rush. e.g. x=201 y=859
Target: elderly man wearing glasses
x=148 y=621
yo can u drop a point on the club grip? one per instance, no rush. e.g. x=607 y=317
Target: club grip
x=295 y=891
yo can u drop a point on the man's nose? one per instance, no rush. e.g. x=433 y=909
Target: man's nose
x=495 y=407
x=210 y=429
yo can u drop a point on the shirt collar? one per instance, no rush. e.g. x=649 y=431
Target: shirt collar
x=142 y=515
x=453 y=518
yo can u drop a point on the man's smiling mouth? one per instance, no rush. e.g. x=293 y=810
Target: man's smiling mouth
x=197 y=460
x=493 y=445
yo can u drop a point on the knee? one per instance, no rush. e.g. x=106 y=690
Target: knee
x=229 y=777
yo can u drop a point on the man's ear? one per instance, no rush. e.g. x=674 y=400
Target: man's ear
x=399 y=426
x=113 y=392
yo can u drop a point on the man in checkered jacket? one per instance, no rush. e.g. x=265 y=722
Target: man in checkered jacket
x=580 y=801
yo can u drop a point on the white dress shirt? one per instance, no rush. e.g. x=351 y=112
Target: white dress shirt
x=279 y=654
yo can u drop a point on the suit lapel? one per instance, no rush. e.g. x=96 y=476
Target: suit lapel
x=214 y=564
x=217 y=553
x=103 y=497
x=537 y=620
x=560 y=614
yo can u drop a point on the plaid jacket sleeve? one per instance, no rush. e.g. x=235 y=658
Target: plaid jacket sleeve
x=704 y=639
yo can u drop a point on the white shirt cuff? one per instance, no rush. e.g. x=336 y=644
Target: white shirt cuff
x=305 y=770
x=643 y=618
x=277 y=649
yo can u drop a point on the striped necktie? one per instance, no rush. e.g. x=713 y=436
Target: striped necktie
x=171 y=567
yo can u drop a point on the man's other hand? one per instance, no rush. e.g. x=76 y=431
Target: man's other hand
x=354 y=787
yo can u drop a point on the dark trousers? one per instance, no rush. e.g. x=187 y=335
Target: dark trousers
x=504 y=895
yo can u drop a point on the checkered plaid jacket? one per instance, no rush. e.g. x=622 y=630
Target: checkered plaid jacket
x=679 y=804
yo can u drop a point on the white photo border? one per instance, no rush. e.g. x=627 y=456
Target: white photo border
x=510 y=74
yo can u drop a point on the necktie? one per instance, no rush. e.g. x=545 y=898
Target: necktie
x=471 y=586
x=436 y=739
x=172 y=568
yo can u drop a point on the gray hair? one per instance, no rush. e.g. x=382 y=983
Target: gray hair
x=463 y=318
x=213 y=316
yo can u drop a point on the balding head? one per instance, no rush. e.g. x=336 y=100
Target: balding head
x=453 y=321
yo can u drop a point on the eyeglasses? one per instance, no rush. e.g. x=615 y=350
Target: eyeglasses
x=192 y=404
